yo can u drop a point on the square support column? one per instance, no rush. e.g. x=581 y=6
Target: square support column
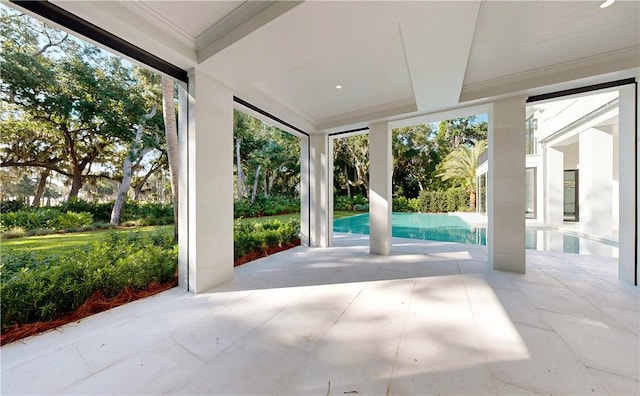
x=506 y=185
x=210 y=169
x=380 y=178
x=554 y=191
x=595 y=178
x=629 y=169
x=319 y=190
x=305 y=191
x=183 y=186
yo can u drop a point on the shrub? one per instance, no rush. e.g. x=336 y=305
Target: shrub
x=99 y=211
x=351 y=203
x=72 y=220
x=37 y=287
x=361 y=207
x=45 y=218
x=441 y=201
x=265 y=206
x=11 y=206
x=400 y=204
x=258 y=237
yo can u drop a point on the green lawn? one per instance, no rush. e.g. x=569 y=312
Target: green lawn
x=57 y=243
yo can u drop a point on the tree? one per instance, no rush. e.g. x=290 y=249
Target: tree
x=351 y=156
x=461 y=166
x=415 y=157
x=80 y=102
x=135 y=154
x=171 y=137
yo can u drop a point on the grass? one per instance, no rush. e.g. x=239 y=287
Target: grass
x=283 y=218
x=58 y=243
x=344 y=213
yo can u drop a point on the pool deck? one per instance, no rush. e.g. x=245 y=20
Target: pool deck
x=432 y=318
x=479 y=220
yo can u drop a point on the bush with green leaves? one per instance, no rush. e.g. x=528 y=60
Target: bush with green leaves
x=11 y=206
x=441 y=201
x=265 y=206
x=259 y=237
x=351 y=203
x=44 y=218
x=36 y=287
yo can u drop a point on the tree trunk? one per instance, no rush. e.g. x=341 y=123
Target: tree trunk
x=135 y=153
x=171 y=136
x=255 y=185
x=76 y=185
x=242 y=191
x=472 y=199
x=42 y=186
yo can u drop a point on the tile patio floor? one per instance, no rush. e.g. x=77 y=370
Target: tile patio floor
x=430 y=319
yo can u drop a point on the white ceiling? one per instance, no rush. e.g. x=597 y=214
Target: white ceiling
x=393 y=59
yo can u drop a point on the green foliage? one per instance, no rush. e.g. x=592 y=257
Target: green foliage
x=99 y=211
x=350 y=203
x=441 y=201
x=36 y=287
x=265 y=206
x=258 y=237
x=11 y=206
x=45 y=218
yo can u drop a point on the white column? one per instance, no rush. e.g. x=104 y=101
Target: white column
x=305 y=185
x=506 y=185
x=554 y=186
x=629 y=187
x=319 y=190
x=183 y=186
x=210 y=168
x=380 y=174
x=595 y=174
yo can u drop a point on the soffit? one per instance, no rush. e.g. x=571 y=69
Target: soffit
x=519 y=41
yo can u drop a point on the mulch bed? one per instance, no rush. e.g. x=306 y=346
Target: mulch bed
x=98 y=302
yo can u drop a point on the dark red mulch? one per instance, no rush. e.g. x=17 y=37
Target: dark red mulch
x=256 y=255
x=98 y=302
x=94 y=304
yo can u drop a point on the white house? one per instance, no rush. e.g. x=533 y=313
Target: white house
x=572 y=164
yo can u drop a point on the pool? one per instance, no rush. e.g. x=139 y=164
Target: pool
x=448 y=228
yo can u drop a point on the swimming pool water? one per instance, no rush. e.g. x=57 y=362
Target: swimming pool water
x=448 y=228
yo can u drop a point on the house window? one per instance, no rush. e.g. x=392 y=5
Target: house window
x=571 y=210
x=482 y=193
x=530 y=194
x=531 y=147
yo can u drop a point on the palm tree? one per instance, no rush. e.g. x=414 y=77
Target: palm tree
x=461 y=165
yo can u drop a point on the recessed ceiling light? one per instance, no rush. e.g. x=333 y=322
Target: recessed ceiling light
x=338 y=86
x=607 y=3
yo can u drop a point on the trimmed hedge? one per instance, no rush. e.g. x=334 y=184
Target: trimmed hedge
x=259 y=237
x=36 y=287
x=438 y=201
